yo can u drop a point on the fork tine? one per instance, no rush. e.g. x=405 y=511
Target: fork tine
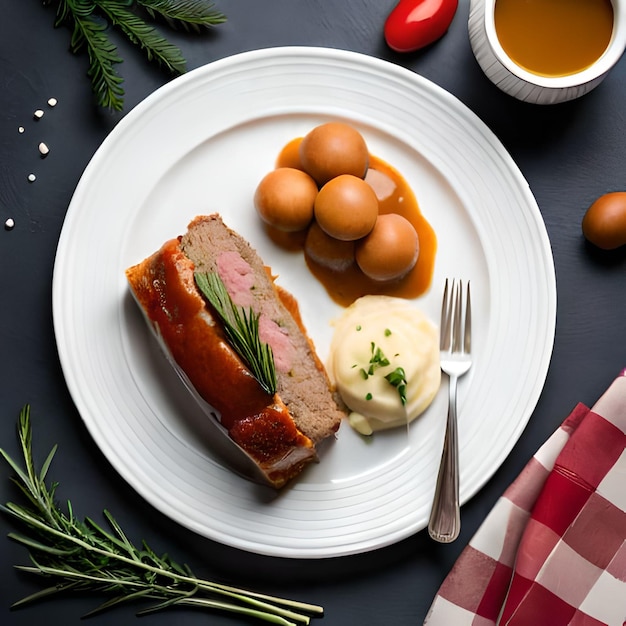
x=444 y=341
x=457 y=329
x=467 y=340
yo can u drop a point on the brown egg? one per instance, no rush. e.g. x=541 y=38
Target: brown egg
x=604 y=223
x=285 y=198
x=346 y=208
x=327 y=251
x=333 y=149
x=390 y=251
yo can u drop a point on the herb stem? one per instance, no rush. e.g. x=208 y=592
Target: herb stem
x=82 y=556
x=158 y=591
x=201 y=584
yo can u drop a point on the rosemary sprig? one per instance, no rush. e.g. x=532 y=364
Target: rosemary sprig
x=82 y=556
x=89 y=21
x=241 y=326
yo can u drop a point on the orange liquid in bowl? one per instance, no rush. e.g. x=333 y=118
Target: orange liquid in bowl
x=554 y=37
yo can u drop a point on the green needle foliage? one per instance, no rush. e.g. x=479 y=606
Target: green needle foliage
x=241 y=326
x=190 y=15
x=83 y=557
x=91 y=20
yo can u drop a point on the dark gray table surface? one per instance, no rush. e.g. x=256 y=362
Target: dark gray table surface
x=569 y=153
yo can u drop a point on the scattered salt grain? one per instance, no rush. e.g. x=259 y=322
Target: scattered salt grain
x=9 y=224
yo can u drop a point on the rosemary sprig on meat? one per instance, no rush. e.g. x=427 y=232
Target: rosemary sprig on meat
x=76 y=555
x=241 y=326
x=90 y=22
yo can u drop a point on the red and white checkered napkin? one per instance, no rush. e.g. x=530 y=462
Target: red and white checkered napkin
x=553 y=549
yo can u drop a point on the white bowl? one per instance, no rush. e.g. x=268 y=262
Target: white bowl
x=529 y=87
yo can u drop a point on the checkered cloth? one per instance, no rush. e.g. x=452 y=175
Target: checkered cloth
x=553 y=549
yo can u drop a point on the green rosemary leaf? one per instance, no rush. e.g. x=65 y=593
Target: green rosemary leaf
x=38 y=546
x=242 y=330
x=46 y=465
x=98 y=534
x=43 y=594
x=79 y=556
x=156 y=47
x=117 y=600
x=188 y=14
x=21 y=478
x=123 y=541
x=166 y=604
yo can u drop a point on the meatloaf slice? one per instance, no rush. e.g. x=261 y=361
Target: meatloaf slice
x=302 y=381
x=278 y=432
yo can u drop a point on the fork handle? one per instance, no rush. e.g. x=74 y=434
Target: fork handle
x=444 y=524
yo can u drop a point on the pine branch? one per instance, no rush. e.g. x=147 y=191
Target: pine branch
x=140 y=33
x=89 y=21
x=106 y=82
x=188 y=14
x=88 y=32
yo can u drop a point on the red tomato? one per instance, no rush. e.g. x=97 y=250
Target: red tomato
x=414 y=24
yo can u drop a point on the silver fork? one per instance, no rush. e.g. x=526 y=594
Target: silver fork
x=444 y=524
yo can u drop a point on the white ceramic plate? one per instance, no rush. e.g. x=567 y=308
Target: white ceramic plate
x=201 y=144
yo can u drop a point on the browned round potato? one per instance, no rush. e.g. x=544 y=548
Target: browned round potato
x=332 y=149
x=346 y=208
x=327 y=251
x=285 y=198
x=390 y=251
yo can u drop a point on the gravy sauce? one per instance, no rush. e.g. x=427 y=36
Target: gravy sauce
x=554 y=37
x=346 y=286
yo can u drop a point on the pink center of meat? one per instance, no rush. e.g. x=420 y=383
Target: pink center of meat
x=238 y=278
x=274 y=335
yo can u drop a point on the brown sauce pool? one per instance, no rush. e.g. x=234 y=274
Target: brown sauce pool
x=394 y=196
